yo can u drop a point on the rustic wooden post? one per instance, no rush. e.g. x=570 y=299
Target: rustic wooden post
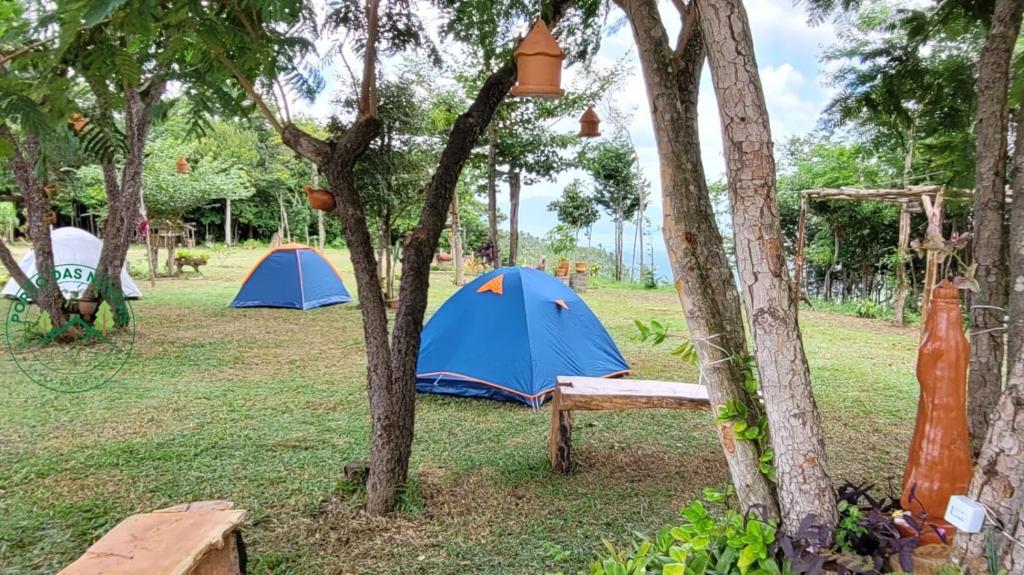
x=933 y=261
x=799 y=267
x=901 y=266
x=560 y=441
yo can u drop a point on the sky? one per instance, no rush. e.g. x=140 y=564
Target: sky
x=788 y=52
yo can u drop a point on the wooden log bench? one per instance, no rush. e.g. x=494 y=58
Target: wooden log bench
x=199 y=538
x=595 y=394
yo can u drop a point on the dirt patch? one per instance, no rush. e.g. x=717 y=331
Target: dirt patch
x=859 y=323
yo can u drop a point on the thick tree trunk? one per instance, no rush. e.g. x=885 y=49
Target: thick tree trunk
x=998 y=481
x=989 y=304
x=515 y=184
x=124 y=198
x=492 y=194
x=1015 y=327
x=23 y=166
x=703 y=277
x=805 y=487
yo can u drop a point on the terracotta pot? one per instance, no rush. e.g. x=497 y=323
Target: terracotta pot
x=182 y=165
x=319 y=199
x=393 y=303
x=561 y=272
x=87 y=307
x=444 y=257
x=939 y=464
x=78 y=122
x=50 y=218
x=590 y=124
x=539 y=65
x=582 y=267
x=563 y=265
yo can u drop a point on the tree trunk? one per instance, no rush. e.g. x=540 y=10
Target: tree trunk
x=618 y=245
x=805 y=487
x=22 y=164
x=703 y=277
x=227 y=222
x=457 y=256
x=124 y=197
x=492 y=194
x=998 y=481
x=989 y=304
x=1015 y=327
x=515 y=183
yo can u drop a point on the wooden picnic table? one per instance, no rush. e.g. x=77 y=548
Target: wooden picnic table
x=596 y=393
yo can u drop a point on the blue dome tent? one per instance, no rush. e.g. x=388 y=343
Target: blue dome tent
x=292 y=276
x=508 y=334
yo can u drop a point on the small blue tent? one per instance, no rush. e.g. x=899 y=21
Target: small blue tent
x=508 y=334
x=293 y=276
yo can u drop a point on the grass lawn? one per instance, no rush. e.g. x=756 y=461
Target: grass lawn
x=264 y=407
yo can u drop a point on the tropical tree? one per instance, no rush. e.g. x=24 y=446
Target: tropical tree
x=576 y=209
x=255 y=49
x=805 y=486
x=612 y=165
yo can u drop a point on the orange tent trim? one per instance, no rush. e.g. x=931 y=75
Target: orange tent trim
x=494 y=284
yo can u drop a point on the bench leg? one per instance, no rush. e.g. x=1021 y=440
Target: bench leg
x=560 y=441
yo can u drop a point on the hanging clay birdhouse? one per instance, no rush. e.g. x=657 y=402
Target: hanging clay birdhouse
x=50 y=218
x=590 y=124
x=539 y=65
x=319 y=199
x=51 y=190
x=182 y=166
x=78 y=122
x=939 y=464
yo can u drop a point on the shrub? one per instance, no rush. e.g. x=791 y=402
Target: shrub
x=252 y=244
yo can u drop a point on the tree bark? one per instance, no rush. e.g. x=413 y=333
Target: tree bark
x=492 y=193
x=124 y=197
x=22 y=164
x=515 y=183
x=1015 y=327
x=805 y=486
x=998 y=481
x=703 y=277
x=989 y=304
x=900 y=306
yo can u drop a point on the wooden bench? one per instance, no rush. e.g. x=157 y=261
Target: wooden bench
x=595 y=393
x=190 y=539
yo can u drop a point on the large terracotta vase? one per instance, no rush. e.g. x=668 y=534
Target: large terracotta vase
x=939 y=464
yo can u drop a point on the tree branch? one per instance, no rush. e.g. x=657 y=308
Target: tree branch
x=368 y=90
x=13 y=268
x=250 y=89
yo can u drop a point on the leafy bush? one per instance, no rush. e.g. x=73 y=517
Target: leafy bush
x=649 y=279
x=191 y=255
x=869 y=309
x=252 y=244
x=731 y=542
x=703 y=543
x=138 y=269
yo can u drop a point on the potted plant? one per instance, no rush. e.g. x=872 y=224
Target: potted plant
x=582 y=267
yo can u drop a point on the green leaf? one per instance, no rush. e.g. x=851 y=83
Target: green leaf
x=100 y=10
x=674 y=569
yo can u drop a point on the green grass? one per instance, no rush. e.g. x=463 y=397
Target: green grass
x=264 y=408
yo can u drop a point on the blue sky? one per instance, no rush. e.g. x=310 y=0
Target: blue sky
x=788 y=52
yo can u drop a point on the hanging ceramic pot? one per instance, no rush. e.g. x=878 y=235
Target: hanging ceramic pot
x=939 y=464
x=539 y=65
x=590 y=124
x=182 y=166
x=319 y=199
x=78 y=122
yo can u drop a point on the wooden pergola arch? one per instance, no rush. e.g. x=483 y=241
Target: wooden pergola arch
x=911 y=199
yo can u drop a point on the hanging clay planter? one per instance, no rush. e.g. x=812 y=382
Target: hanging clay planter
x=78 y=122
x=319 y=199
x=182 y=166
x=582 y=267
x=539 y=65
x=51 y=190
x=590 y=124
x=50 y=218
x=939 y=464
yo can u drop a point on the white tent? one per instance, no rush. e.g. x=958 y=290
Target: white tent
x=71 y=246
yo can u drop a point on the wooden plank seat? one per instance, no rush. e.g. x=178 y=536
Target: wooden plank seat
x=595 y=393
x=190 y=539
